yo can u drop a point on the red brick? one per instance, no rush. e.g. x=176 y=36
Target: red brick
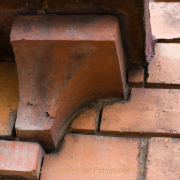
x=67 y=62
x=128 y=12
x=164 y=68
x=150 y=111
x=163 y=159
x=86 y=121
x=20 y=159
x=9 y=91
x=165 y=20
x=136 y=76
x=88 y=152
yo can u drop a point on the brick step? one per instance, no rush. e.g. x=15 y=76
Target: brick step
x=9 y=90
x=149 y=112
x=93 y=157
x=20 y=159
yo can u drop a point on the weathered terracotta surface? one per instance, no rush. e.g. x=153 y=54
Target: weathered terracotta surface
x=132 y=14
x=164 y=68
x=20 y=159
x=134 y=22
x=86 y=121
x=165 y=20
x=163 y=159
x=136 y=76
x=93 y=157
x=150 y=111
x=64 y=62
x=9 y=91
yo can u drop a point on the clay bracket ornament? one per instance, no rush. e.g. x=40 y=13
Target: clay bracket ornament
x=64 y=62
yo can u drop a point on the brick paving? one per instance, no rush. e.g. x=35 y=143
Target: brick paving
x=164 y=69
x=165 y=19
x=163 y=159
x=149 y=111
x=93 y=157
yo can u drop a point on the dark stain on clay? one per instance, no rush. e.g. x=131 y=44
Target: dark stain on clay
x=29 y=104
x=11 y=122
x=77 y=56
x=153 y=44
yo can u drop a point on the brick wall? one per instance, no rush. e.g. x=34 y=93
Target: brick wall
x=137 y=137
